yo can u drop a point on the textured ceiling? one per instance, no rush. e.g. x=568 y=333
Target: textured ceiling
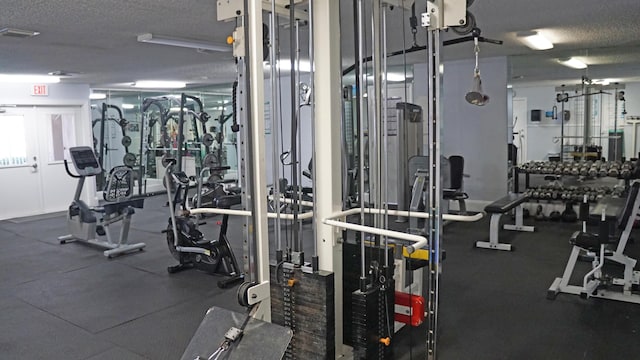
x=97 y=39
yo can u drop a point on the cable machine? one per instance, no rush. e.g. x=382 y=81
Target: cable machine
x=304 y=296
x=583 y=141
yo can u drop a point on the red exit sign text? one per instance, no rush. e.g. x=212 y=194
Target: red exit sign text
x=40 y=90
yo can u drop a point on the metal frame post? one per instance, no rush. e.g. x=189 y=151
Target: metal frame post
x=328 y=112
x=256 y=128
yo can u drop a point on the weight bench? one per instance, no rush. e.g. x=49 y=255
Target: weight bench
x=497 y=209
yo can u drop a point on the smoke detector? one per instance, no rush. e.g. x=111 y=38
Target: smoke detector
x=18 y=33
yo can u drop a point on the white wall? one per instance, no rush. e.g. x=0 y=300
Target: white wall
x=478 y=133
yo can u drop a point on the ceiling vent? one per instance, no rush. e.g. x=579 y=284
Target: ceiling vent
x=18 y=33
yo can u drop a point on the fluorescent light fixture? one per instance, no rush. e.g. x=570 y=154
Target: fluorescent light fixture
x=572 y=63
x=186 y=43
x=285 y=65
x=602 y=82
x=158 y=84
x=128 y=106
x=19 y=33
x=535 y=41
x=39 y=79
x=97 y=96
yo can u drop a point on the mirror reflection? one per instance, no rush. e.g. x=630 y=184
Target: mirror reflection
x=143 y=129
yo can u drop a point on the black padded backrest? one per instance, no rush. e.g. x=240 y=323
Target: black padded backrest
x=456 y=164
x=628 y=205
x=119 y=184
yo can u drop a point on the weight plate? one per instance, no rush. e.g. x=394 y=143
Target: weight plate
x=129 y=159
x=207 y=139
x=204 y=117
x=126 y=141
x=166 y=159
x=210 y=161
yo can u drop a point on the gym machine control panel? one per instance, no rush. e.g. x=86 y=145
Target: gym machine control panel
x=85 y=161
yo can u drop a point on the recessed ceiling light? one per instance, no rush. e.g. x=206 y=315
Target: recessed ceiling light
x=61 y=73
x=158 y=84
x=16 y=78
x=572 y=63
x=19 y=33
x=534 y=40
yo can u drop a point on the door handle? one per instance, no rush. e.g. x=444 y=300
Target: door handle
x=35 y=165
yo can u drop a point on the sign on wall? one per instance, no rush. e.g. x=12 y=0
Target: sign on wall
x=40 y=90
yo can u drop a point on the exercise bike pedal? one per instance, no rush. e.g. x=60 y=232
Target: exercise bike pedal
x=223 y=284
x=177 y=268
x=100 y=230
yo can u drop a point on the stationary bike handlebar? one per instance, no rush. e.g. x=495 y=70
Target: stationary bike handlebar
x=66 y=167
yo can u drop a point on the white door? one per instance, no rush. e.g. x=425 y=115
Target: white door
x=33 y=143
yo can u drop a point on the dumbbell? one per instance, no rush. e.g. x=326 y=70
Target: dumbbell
x=603 y=171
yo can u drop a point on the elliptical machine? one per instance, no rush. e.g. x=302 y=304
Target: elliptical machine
x=84 y=222
x=187 y=243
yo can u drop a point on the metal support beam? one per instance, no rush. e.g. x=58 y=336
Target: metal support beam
x=257 y=150
x=327 y=112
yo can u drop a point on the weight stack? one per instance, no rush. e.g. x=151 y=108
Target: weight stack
x=373 y=312
x=305 y=303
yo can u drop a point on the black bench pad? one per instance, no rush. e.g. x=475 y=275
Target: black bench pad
x=506 y=203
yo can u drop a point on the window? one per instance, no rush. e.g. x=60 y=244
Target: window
x=13 y=144
x=63 y=137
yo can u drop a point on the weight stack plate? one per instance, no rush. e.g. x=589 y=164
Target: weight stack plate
x=351 y=280
x=307 y=307
x=372 y=319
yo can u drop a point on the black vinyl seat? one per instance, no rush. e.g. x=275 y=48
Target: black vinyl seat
x=505 y=203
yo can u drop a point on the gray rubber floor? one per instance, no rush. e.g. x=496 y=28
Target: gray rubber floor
x=70 y=302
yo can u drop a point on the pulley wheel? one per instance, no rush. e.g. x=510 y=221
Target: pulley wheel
x=210 y=161
x=129 y=159
x=126 y=141
x=243 y=296
x=207 y=139
x=167 y=159
x=466 y=28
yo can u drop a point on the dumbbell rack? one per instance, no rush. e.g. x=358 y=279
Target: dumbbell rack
x=591 y=170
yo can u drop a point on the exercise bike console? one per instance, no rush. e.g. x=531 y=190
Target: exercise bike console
x=85 y=161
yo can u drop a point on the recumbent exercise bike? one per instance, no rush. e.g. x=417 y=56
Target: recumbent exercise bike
x=85 y=222
x=187 y=243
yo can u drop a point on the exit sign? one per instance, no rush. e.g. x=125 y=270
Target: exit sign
x=40 y=90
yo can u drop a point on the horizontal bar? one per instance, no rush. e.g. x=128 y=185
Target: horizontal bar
x=302 y=216
x=414 y=214
x=419 y=241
